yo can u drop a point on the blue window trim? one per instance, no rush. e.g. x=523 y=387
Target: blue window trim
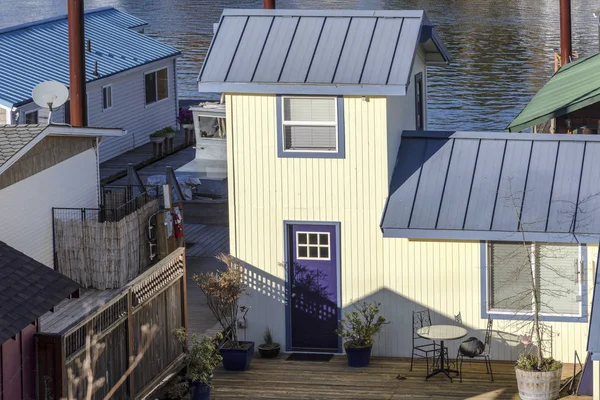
x=340 y=153
x=547 y=318
x=286 y=257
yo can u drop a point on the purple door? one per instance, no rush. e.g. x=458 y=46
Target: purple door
x=313 y=279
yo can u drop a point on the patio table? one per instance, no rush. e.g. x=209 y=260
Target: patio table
x=441 y=333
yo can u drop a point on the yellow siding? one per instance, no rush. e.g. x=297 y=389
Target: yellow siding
x=403 y=275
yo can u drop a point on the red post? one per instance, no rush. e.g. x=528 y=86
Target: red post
x=565 y=32
x=77 y=63
x=269 y=4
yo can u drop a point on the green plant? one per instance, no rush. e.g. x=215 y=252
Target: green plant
x=164 y=132
x=223 y=290
x=202 y=356
x=268 y=342
x=529 y=362
x=361 y=324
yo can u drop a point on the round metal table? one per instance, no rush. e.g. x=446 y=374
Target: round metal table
x=442 y=333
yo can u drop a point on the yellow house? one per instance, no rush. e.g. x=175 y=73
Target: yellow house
x=338 y=194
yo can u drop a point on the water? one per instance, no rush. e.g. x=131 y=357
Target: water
x=501 y=49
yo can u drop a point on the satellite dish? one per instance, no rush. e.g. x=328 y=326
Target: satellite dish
x=50 y=94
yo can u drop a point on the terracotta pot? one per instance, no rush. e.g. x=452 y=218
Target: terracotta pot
x=538 y=385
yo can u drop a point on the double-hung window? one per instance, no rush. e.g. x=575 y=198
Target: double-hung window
x=552 y=271
x=310 y=127
x=156 y=85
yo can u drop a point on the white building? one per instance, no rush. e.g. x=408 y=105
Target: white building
x=131 y=77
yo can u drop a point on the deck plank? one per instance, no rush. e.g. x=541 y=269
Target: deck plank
x=209 y=240
x=278 y=379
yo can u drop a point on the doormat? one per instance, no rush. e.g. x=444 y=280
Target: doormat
x=309 y=357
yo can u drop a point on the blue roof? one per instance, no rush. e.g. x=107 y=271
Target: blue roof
x=35 y=52
x=318 y=51
x=480 y=185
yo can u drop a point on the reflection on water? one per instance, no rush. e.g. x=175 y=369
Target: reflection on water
x=501 y=49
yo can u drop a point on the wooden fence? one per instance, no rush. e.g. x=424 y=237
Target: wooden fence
x=155 y=298
x=102 y=254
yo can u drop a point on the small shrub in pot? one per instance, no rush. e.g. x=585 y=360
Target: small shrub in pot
x=358 y=329
x=269 y=348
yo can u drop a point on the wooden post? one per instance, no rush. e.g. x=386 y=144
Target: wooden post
x=130 y=341
x=184 y=292
x=565 y=32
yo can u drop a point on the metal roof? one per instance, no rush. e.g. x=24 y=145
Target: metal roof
x=593 y=344
x=317 y=51
x=39 y=51
x=574 y=86
x=28 y=289
x=476 y=186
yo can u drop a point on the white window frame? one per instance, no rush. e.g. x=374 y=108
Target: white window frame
x=580 y=286
x=318 y=246
x=285 y=123
x=155 y=71
x=111 y=96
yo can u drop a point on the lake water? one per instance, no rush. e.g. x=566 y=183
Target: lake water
x=502 y=50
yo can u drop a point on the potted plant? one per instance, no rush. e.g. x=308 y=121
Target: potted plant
x=358 y=328
x=202 y=356
x=223 y=290
x=185 y=118
x=166 y=132
x=268 y=349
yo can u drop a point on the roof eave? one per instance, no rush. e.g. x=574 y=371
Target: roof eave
x=302 y=89
x=475 y=235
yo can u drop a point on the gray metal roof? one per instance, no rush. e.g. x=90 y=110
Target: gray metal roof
x=317 y=51
x=28 y=289
x=13 y=138
x=477 y=185
x=593 y=345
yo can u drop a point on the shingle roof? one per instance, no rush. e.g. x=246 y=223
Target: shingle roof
x=576 y=85
x=317 y=51
x=37 y=52
x=28 y=289
x=15 y=137
x=474 y=185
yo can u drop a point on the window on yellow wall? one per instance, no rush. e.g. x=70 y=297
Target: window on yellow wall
x=556 y=270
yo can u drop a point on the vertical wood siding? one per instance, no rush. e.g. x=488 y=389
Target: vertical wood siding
x=27 y=205
x=265 y=191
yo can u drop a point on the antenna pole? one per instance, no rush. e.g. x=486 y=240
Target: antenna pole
x=77 y=63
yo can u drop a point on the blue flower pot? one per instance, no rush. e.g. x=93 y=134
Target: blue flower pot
x=237 y=359
x=358 y=357
x=199 y=391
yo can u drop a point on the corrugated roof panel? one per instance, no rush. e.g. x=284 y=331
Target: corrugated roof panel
x=302 y=50
x=588 y=206
x=534 y=214
x=223 y=48
x=401 y=66
x=564 y=196
x=328 y=50
x=355 y=51
x=250 y=48
x=480 y=207
x=39 y=51
x=379 y=60
x=407 y=179
x=458 y=184
x=512 y=184
x=275 y=50
x=431 y=184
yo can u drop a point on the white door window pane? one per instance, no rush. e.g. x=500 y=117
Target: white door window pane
x=312 y=246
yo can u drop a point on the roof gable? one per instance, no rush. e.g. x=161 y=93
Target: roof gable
x=39 y=51
x=28 y=289
x=476 y=186
x=574 y=86
x=16 y=138
x=316 y=51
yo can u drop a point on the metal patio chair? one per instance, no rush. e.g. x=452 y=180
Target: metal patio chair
x=485 y=354
x=422 y=348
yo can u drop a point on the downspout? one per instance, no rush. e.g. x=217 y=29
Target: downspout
x=77 y=63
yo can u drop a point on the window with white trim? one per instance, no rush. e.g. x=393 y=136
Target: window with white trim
x=156 y=85
x=106 y=97
x=556 y=270
x=313 y=246
x=309 y=124
x=31 y=117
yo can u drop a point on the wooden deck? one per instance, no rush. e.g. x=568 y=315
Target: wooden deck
x=281 y=379
x=206 y=240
